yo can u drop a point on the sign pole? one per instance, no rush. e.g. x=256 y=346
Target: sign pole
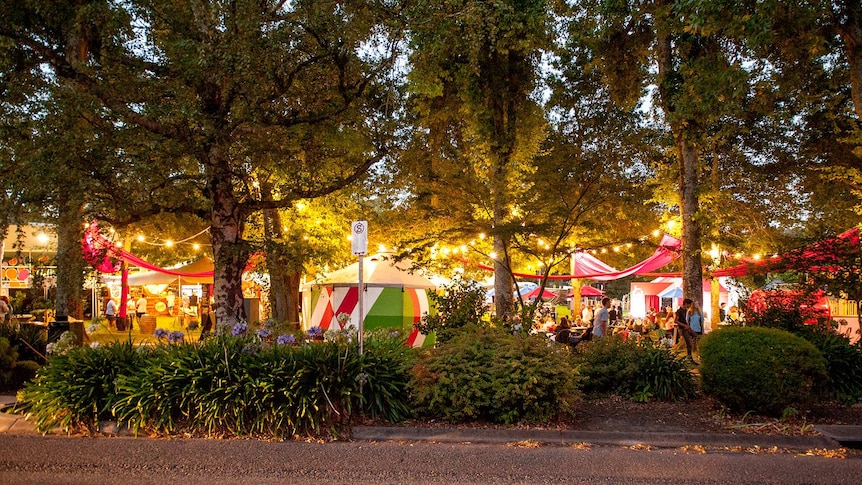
x=359 y=232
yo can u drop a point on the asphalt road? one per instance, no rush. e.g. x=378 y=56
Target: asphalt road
x=49 y=460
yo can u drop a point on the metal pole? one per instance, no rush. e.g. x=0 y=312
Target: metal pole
x=361 y=308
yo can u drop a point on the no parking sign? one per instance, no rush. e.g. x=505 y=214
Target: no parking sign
x=359 y=231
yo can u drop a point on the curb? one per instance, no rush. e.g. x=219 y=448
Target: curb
x=833 y=437
x=607 y=438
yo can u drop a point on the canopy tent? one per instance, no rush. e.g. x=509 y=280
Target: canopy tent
x=546 y=294
x=587 y=291
x=395 y=297
x=187 y=274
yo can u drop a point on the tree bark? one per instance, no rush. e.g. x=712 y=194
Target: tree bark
x=230 y=251
x=70 y=259
x=687 y=158
x=283 y=277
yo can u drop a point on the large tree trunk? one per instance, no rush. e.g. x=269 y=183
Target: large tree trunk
x=70 y=260
x=230 y=251
x=687 y=157
x=692 y=263
x=283 y=277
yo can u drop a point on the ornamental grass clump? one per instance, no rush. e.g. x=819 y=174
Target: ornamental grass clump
x=227 y=385
x=79 y=387
x=762 y=370
x=486 y=374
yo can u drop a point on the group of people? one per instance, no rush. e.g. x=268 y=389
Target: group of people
x=138 y=308
x=688 y=319
x=133 y=308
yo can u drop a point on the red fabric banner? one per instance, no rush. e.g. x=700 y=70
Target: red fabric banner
x=588 y=267
x=99 y=251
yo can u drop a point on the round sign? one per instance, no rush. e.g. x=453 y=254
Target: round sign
x=359 y=228
x=161 y=307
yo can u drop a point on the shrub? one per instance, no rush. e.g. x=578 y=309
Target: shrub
x=486 y=374
x=763 y=370
x=28 y=340
x=79 y=386
x=461 y=304
x=843 y=362
x=613 y=366
x=13 y=371
x=225 y=384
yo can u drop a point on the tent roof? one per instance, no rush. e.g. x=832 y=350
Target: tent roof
x=378 y=270
x=202 y=265
x=546 y=295
x=586 y=291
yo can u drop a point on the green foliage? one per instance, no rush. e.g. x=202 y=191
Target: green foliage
x=640 y=372
x=462 y=303
x=843 y=362
x=14 y=371
x=226 y=384
x=763 y=370
x=29 y=340
x=489 y=375
x=79 y=387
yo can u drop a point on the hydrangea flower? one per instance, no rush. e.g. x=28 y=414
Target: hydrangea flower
x=264 y=333
x=315 y=331
x=239 y=329
x=160 y=333
x=176 y=336
x=285 y=340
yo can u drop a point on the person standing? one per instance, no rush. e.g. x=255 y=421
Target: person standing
x=170 y=301
x=5 y=309
x=681 y=322
x=193 y=303
x=111 y=313
x=600 y=320
x=722 y=313
x=131 y=308
x=587 y=313
x=141 y=308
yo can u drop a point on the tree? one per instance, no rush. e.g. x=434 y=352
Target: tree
x=224 y=83
x=474 y=70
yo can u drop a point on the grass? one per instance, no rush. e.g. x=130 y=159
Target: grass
x=105 y=335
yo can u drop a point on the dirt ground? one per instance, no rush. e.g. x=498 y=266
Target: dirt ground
x=702 y=415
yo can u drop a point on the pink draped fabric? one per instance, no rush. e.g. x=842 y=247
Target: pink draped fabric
x=588 y=267
x=124 y=293
x=99 y=250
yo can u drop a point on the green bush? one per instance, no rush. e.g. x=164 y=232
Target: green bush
x=612 y=365
x=485 y=374
x=79 y=387
x=13 y=371
x=459 y=305
x=843 y=362
x=763 y=370
x=28 y=340
x=226 y=384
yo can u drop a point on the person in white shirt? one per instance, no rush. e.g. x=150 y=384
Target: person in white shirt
x=600 y=320
x=111 y=313
x=141 y=307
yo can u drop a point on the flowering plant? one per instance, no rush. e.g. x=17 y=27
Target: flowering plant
x=342 y=318
x=315 y=332
x=285 y=339
x=61 y=346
